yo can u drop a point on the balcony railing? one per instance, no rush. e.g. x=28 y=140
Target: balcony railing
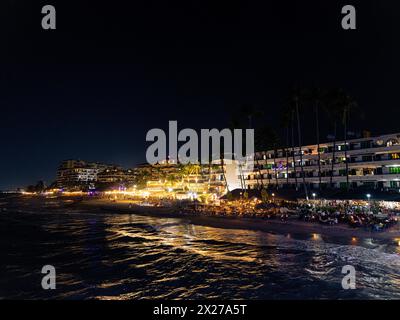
x=309 y=165
x=282 y=155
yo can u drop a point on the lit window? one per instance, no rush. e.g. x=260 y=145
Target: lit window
x=394 y=170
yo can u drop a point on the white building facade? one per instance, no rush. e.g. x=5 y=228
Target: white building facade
x=372 y=162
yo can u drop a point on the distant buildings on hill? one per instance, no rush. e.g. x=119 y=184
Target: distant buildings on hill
x=367 y=162
x=79 y=175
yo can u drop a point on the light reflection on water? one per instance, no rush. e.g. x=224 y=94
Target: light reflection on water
x=131 y=257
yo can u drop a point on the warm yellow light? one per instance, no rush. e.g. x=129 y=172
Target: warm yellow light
x=315 y=236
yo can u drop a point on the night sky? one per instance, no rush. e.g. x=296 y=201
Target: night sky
x=111 y=71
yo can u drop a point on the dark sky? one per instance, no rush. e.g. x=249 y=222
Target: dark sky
x=111 y=71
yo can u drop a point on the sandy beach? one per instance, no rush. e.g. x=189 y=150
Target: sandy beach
x=273 y=226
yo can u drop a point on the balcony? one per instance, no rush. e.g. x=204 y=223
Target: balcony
x=335 y=179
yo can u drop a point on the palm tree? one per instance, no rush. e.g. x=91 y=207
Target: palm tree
x=333 y=160
x=260 y=147
x=333 y=116
x=286 y=124
x=345 y=106
x=188 y=170
x=250 y=111
x=267 y=139
x=223 y=172
x=293 y=149
x=345 y=119
x=274 y=145
x=141 y=178
x=222 y=166
x=295 y=100
x=317 y=97
x=335 y=110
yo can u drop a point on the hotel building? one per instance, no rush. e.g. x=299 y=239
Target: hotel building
x=75 y=174
x=116 y=174
x=72 y=172
x=169 y=175
x=372 y=162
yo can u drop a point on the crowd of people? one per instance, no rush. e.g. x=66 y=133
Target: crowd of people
x=370 y=217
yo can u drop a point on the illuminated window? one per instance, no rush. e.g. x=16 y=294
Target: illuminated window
x=394 y=170
x=392 y=142
x=394 y=184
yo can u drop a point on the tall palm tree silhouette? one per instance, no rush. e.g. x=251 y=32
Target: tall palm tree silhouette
x=317 y=97
x=296 y=98
x=267 y=139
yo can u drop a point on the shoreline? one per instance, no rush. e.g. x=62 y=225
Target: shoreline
x=256 y=224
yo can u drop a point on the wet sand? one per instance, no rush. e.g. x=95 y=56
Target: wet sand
x=273 y=226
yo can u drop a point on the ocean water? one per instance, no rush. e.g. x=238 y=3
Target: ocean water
x=126 y=256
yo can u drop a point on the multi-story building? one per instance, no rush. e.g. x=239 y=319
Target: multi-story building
x=116 y=174
x=162 y=175
x=75 y=174
x=157 y=171
x=372 y=162
x=72 y=173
